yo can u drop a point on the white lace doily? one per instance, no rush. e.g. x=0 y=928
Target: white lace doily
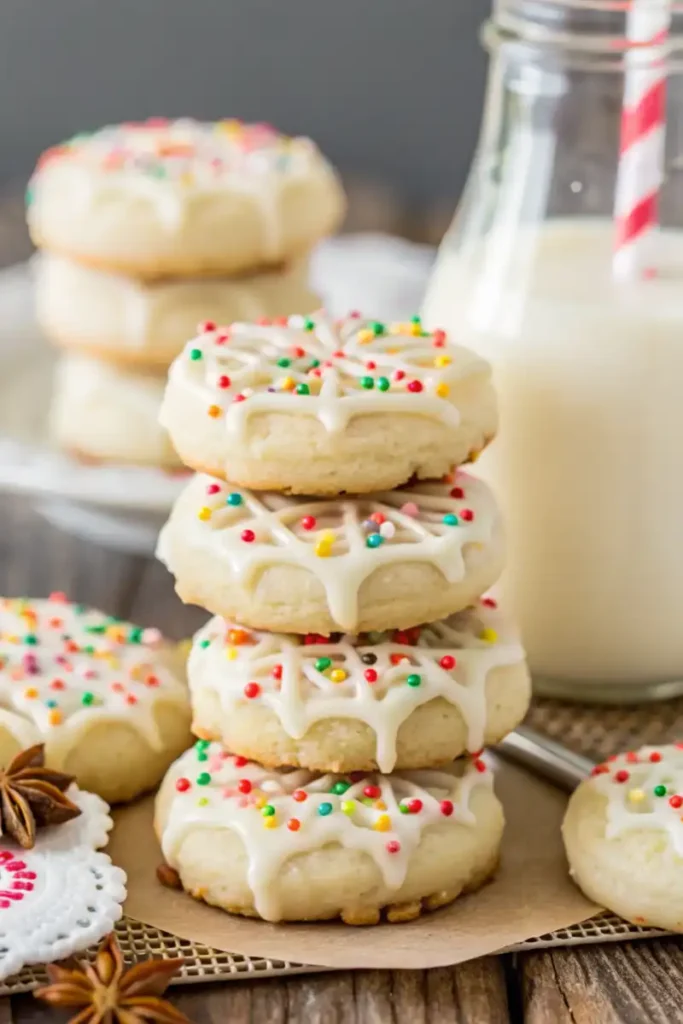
x=62 y=895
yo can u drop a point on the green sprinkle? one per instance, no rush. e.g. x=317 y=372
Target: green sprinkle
x=29 y=196
x=50 y=703
x=88 y=699
x=367 y=382
x=201 y=744
x=303 y=389
x=383 y=383
x=325 y=809
x=415 y=320
x=284 y=362
x=202 y=756
x=135 y=635
x=79 y=609
x=404 y=809
x=309 y=324
x=414 y=680
x=195 y=354
x=450 y=519
x=95 y=629
x=268 y=811
x=31 y=639
x=660 y=790
x=377 y=328
x=322 y=663
x=314 y=364
x=89 y=649
x=234 y=499
x=203 y=779
x=204 y=643
x=374 y=540
x=340 y=788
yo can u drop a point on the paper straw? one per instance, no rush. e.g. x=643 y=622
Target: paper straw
x=643 y=121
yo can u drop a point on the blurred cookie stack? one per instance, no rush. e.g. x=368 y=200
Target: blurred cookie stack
x=143 y=230
x=353 y=670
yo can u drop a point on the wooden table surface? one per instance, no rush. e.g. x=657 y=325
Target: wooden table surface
x=633 y=983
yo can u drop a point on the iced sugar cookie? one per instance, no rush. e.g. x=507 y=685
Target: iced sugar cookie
x=107 y=699
x=405 y=699
x=319 y=406
x=304 y=847
x=130 y=321
x=182 y=198
x=395 y=559
x=623 y=833
x=105 y=412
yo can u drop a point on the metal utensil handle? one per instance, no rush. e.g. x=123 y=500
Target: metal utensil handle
x=545 y=757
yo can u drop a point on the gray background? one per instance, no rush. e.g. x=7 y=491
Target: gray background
x=391 y=89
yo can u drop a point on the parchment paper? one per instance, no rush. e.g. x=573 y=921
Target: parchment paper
x=532 y=894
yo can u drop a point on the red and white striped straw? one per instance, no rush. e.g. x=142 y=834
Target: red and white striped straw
x=643 y=121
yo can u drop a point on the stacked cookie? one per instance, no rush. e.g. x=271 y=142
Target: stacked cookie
x=351 y=663
x=143 y=228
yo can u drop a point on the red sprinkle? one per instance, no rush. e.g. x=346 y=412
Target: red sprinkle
x=240 y=398
x=240 y=761
x=632 y=757
x=293 y=824
x=398 y=659
x=309 y=522
x=457 y=492
x=248 y=536
x=448 y=662
x=370 y=365
x=414 y=806
x=244 y=786
x=655 y=756
x=415 y=386
x=373 y=792
x=57 y=684
x=489 y=602
x=600 y=769
x=252 y=690
x=182 y=785
x=276 y=672
x=467 y=514
x=300 y=795
x=370 y=675
x=213 y=488
x=206 y=325
x=479 y=765
x=224 y=381
x=676 y=801
x=131 y=698
x=298 y=352
x=622 y=775
x=393 y=846
x=222 y=338
x=439 y=338
x=446 y=808
x=378 y=518
x=399 y=374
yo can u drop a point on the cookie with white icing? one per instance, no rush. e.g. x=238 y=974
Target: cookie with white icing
x=305 y=847
x=322 y=406
x=623 y=833
x=182 y=198
x=404 y=699
x=148 y=322
x=108 y=699
x=294 y=565
x=104 y=412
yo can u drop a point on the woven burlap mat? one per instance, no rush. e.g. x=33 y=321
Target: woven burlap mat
x=593 y=731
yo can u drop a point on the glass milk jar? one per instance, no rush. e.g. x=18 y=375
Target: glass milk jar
x=564 y=267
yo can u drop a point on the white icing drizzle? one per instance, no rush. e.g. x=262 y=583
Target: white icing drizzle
x=172 y=163
x=225 y=657
x=64 y=667
x=336 y=549
x=644 y=790
x=329 y=358
x=373 y=824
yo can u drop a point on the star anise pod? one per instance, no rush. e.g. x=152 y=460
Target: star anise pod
x=106 y=993
x=32 y=795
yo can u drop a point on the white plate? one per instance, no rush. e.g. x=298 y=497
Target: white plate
x=124 y=506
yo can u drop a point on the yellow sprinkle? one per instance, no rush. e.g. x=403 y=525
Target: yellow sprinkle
x=261 y=802
x=416 y=330
x=636 y=796
x=270 y=822
x=204 y=513
x=231 y=653
x=489 y=635
x=393 y=351
x=203 y=801
x=365 y=336
x=55 y=717
x=442 y=390
x=473 y=456
x=228 y=127
x=287 y=384
x=214 y=411
x=337 y=675
x=323 y=546
x=383 y=823
x=31 y=693
x=348 y=806
x=443 y=361
x=186 y=180
x=379 y=805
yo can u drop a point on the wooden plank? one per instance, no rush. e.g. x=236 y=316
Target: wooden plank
x=625 y=983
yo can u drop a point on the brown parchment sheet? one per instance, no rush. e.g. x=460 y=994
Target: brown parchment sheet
x=532 y=894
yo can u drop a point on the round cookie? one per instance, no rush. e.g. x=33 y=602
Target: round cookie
x=182 y=198
x=623 y=833
x=107 y=699
x=406 y=699
x=305 y=847
x=293 y=565
x=130 y=321
x=320 y=406
x=104 y=412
